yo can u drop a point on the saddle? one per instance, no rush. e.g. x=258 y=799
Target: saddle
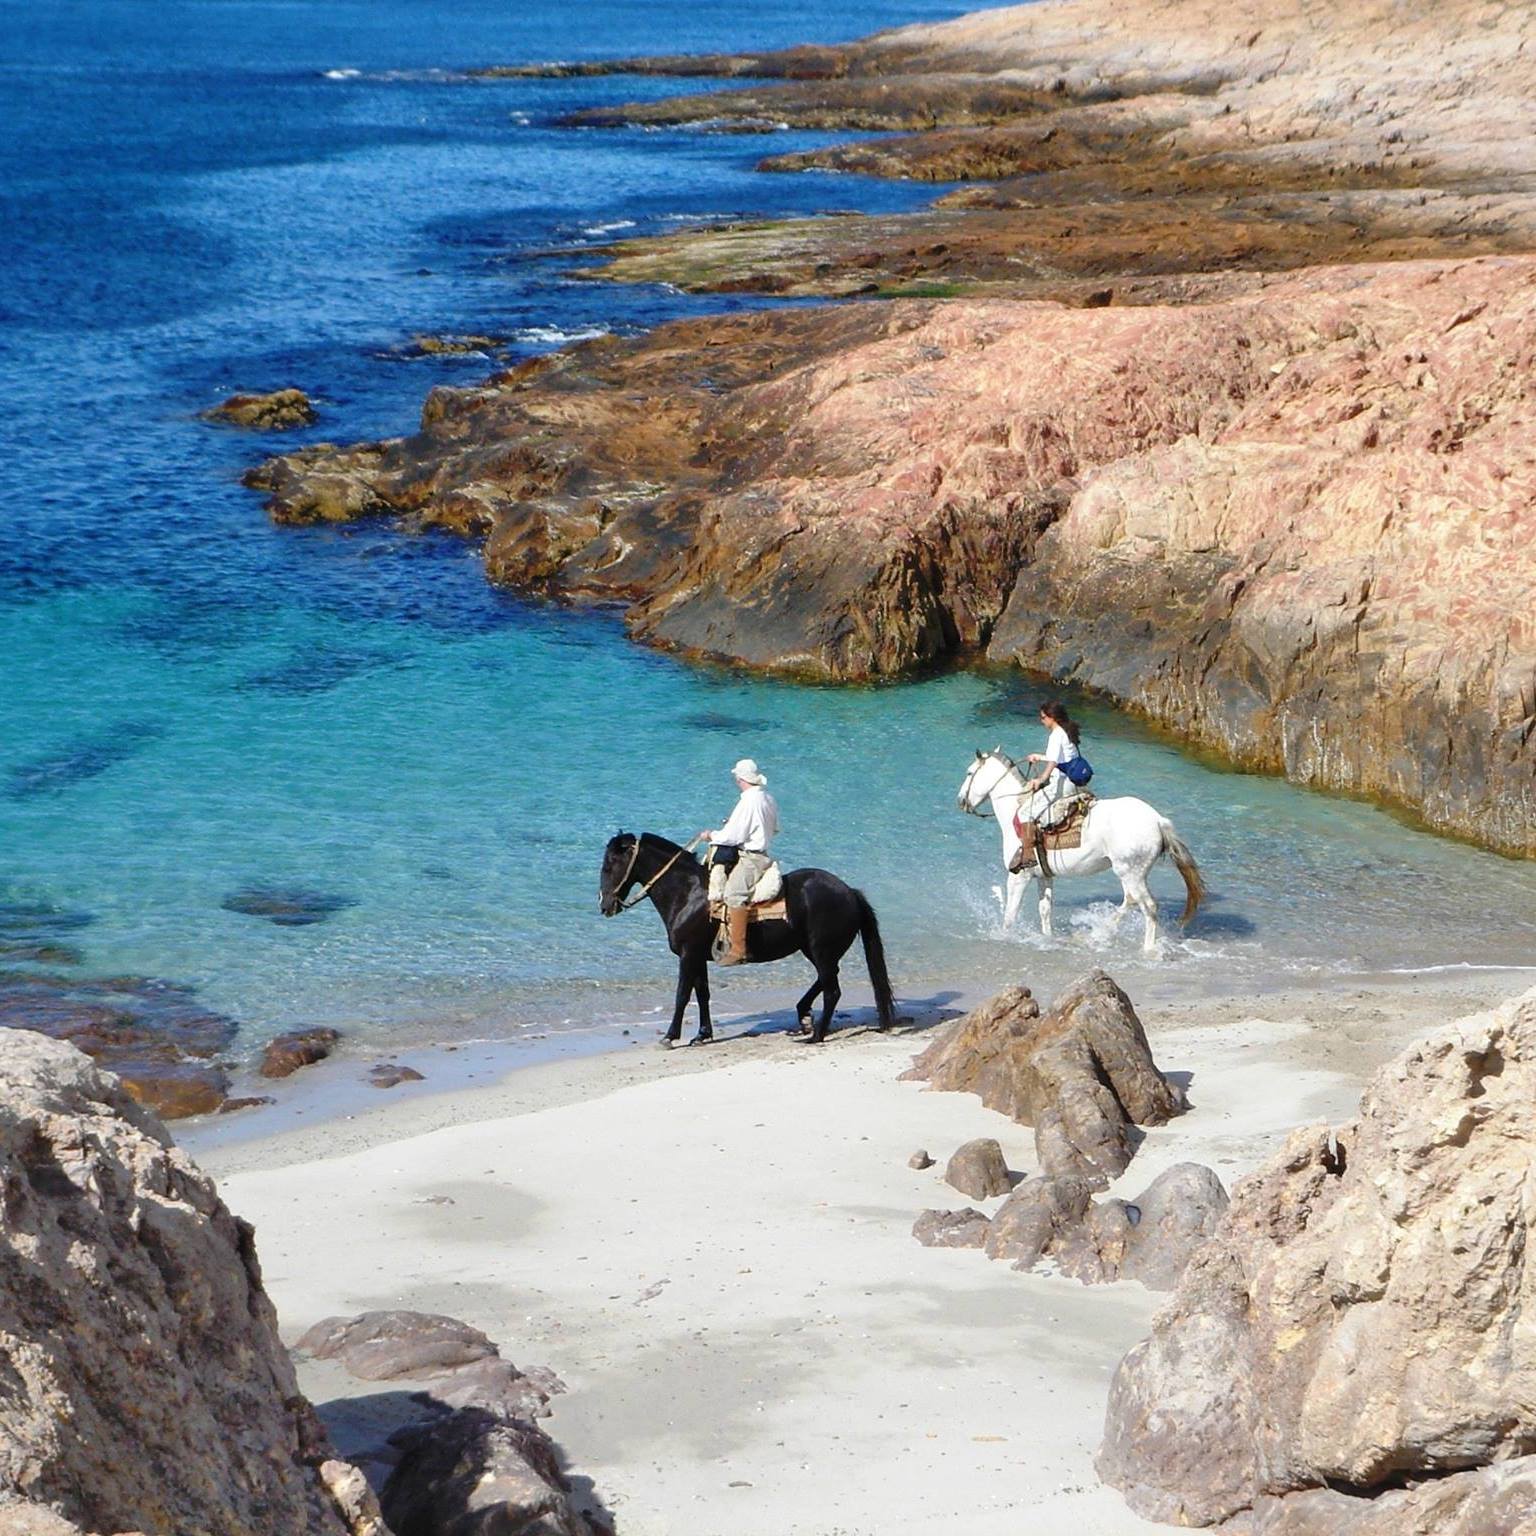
x=1035 y=841
x=758 y=912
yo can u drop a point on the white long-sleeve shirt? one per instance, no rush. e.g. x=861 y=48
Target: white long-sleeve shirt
x=1059 y=748
x=752 y=824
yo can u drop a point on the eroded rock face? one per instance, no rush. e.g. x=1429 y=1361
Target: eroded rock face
x=147 y=1386
x=1292 y=520
x=1081 y=1074
x=1359 y=1319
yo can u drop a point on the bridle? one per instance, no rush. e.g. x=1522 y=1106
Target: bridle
x=645 y=890
x=992 y=794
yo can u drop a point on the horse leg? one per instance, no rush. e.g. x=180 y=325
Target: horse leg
x=1015 y=899
x=1137 y=890
x=701 y=991
x=831 y=990
x=1047 y=902
x=803 y=1008
x=685 y=985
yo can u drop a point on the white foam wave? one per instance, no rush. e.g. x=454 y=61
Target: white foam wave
x=609 y=228
x=557 y=336
x=390 y=76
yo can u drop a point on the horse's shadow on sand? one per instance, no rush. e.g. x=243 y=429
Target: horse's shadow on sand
x=915 y=1016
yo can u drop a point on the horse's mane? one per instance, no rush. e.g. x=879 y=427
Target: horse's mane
x=666 y=847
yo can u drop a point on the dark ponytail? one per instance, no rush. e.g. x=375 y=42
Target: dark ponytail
x=1056 y=712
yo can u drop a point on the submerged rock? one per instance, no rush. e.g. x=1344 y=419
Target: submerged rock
x=153 y=1034
x=274 y=412
x=1356 y=1323
x=390 y=1074
x=287 y=906
x=133 y=1320
x=1081 y=1074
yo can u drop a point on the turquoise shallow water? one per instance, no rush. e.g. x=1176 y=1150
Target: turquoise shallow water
x=205 y=196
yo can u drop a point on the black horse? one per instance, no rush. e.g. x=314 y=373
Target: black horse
x=824 y=918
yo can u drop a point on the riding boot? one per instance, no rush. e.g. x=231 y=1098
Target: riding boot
x=737 y=919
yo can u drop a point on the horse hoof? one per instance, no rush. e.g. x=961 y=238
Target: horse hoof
x=666 y=1042
x=702 y=1040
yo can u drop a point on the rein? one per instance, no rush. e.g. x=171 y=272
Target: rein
x=992 y=794
x=645 y=890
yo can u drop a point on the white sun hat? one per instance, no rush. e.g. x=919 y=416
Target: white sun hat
x=746 y=770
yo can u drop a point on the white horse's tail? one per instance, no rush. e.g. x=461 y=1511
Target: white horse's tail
x=1184 y=862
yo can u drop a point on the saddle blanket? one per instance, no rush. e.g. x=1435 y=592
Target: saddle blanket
x=1037 y=841
x=758 y=912
x=1068 y=832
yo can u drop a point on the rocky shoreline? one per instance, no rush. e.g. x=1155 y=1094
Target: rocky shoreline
x=1216 y=402
x=1337 y=1349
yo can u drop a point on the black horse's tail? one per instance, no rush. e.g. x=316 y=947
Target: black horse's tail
x=874 y=960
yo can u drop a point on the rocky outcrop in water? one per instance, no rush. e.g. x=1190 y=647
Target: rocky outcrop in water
x=1082 y=1074
x=1293 y=524
x=147 y=1389
x=287 y=1053
x=1358 y=1323
x=274 y=412
x=164 y=1045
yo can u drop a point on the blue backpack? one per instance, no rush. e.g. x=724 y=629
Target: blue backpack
x=1077 y=769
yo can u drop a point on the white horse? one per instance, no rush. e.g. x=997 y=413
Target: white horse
x=1125 y=835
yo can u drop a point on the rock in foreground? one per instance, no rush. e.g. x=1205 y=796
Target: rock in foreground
x=1361 y=1319
x=1081 y=1074
x=146 y=1386
x=468 y=1459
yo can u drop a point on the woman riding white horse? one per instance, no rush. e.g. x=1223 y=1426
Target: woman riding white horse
x=1124 y=834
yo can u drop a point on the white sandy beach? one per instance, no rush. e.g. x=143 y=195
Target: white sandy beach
x=713 y=1250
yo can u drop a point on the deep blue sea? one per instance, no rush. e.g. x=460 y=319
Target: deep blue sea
x=207 y=195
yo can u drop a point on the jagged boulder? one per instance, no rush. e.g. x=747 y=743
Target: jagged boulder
x=145 y=1384
x=1361 y=1320
x=977 y=1169
x=1150 y=1238
x=1081 y=1074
